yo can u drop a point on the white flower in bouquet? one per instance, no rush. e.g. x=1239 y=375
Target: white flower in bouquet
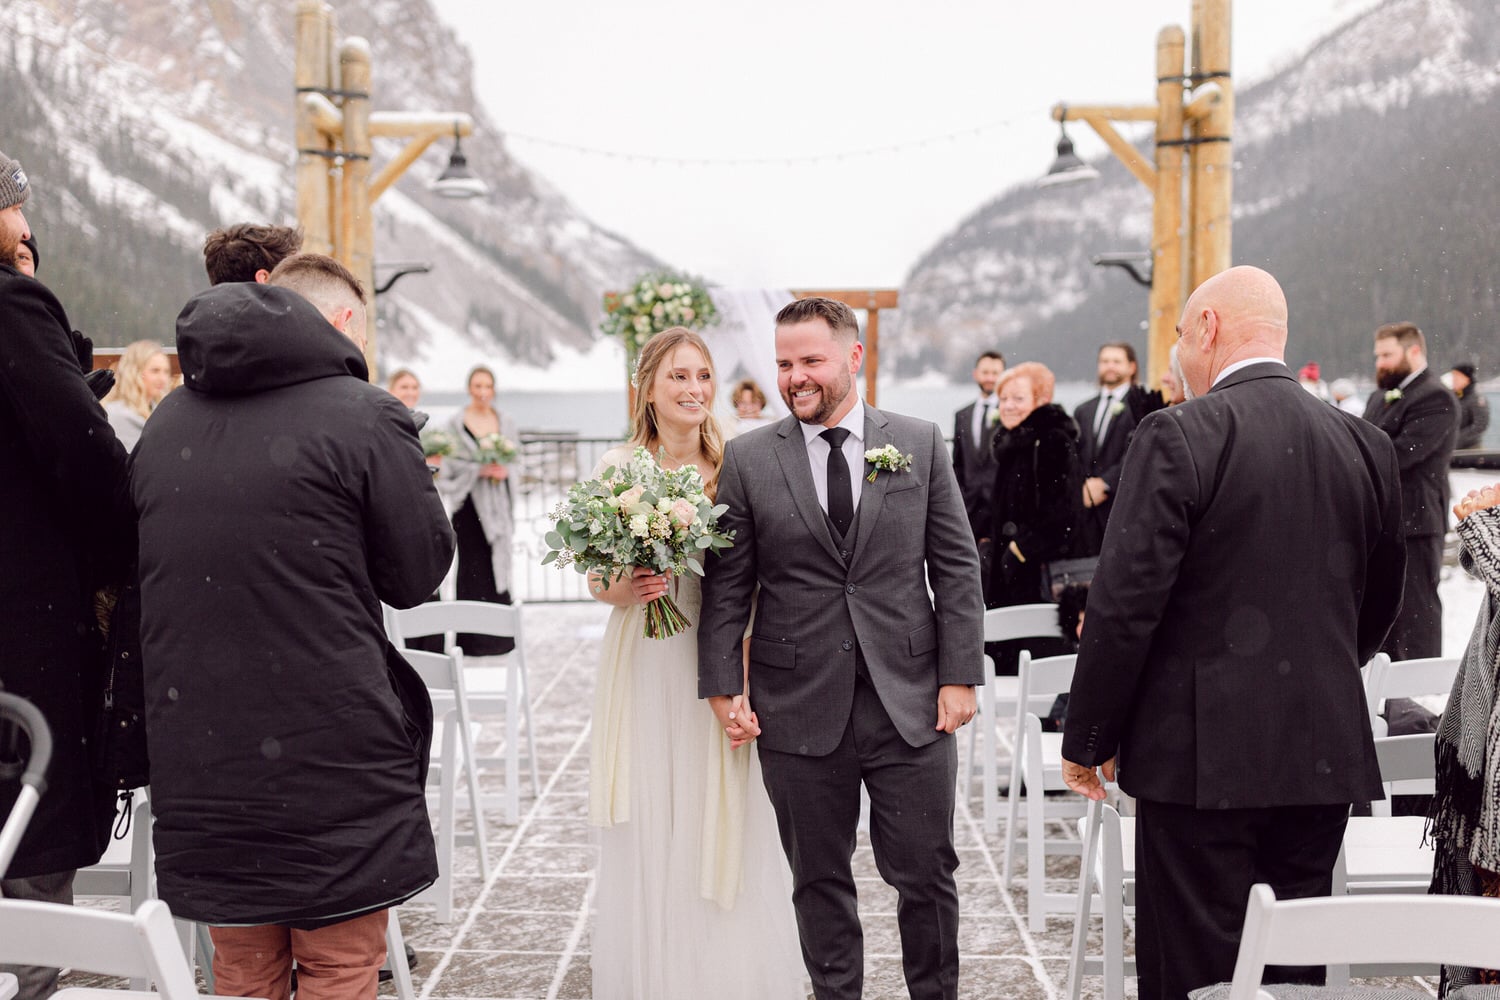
x=436 y=443
x=496 y=449
x=638 y=514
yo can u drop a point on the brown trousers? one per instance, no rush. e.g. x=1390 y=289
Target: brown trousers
x=338 y=962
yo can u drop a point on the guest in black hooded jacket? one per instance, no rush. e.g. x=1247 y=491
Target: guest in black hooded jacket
x=1035 y=499
x=282 y=498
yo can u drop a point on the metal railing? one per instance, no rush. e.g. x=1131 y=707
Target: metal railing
x=546 y=466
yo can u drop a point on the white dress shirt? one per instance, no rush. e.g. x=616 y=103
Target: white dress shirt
x=854 y=453
x=993 y=402
x=1104 y=413
x=1230 y=370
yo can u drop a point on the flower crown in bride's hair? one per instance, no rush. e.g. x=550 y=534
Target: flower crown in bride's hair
x=635 y=372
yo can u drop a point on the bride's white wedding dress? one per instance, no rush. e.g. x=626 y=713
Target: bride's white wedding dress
x=697 y=824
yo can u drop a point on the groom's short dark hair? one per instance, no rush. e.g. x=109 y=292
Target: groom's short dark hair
x=839 y=317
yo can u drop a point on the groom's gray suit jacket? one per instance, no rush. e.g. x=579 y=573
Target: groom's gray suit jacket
x=818 y=611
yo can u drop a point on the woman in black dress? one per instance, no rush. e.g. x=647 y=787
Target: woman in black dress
x=478 y=493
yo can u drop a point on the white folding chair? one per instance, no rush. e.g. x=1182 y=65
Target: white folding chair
x=1385 y=853
x=453 y=750
x=1387 y=678
x=1361 y=930
x=500 y=690
x=1108 y=868
x=999 y=697
x=127 y=872
x=1036 y=763
x=141 y=946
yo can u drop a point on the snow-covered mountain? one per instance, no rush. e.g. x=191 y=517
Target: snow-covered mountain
x=1364 y=179
x=145 y=123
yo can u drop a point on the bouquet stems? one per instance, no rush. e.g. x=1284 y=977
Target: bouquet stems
x=664 y=618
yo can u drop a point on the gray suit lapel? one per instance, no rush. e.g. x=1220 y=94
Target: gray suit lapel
x=791 y=452
x=872 y=495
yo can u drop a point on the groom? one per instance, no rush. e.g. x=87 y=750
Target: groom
x=856 y=674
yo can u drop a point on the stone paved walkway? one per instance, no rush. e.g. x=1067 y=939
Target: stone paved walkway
x=525 y=932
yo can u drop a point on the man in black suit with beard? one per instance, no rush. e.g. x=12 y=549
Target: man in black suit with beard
x=1252 y=564
x=1421 y=417
x=1105 y=424
x=973 y=463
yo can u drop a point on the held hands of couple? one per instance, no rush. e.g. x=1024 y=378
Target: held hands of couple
x=740 y=724
x=956 y=705
x=1477 y=500
x=1085 y=780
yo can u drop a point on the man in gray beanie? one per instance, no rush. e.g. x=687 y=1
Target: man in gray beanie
x=69 y=529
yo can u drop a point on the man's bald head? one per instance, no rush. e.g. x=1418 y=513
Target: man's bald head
x=1236 y=314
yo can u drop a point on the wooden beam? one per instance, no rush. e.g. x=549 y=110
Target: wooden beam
x=1203 y=104
x=1110 y=112
x=109 y=357
x=855 y=298
x=1127 y=154
x=414 y=124
x=1166 y=210
x=393 y=170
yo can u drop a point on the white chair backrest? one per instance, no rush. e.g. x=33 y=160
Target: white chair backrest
x=1406 y=758
x=476 y=617
x=1049 y=675
x=1354 y=930
x=1413 y=678
x=139 y=946
x=439 y=671
x=1022 y=621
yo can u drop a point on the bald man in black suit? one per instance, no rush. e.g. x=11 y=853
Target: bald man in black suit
x=1252 y=564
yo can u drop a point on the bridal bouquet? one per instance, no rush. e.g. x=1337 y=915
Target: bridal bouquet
x=496 y=449
x=436 y=443
x=638 y=514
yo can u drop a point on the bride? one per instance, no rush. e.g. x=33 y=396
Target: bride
x=693 y=897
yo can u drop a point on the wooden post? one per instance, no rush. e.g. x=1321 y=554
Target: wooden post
x=872 y=351
x=357 y=241
x=1166 y=212
x=1213 y=153
x=312 y=71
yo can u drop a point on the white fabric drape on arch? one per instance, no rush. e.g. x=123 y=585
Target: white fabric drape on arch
x=743 y=343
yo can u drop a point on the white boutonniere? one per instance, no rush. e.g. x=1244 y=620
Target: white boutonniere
x=1117 y=407
x=994 y=417
x=1391 y=395
x=888 y=459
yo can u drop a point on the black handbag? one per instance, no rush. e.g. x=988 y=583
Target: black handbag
x=1059 y=573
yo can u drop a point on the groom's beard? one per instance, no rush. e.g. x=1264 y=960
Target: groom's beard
x=1391 y=378
x=830 y=397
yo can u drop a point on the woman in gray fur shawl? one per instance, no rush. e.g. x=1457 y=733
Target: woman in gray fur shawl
x=477 y=493
x=1465 y=819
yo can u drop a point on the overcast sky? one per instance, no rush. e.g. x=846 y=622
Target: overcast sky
x=737 y=81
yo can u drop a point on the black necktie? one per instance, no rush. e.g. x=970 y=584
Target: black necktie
x=840 y=492
x=984 y=422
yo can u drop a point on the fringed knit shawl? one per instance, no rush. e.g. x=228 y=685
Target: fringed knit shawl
x=1465 y=819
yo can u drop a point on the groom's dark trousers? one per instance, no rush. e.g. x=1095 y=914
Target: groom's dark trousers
x=817 y=807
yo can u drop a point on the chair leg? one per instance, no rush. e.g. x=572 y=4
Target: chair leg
x=512 y=743
x=395 y=948
x=1074 y=986
x=476 y=803
x=536 y=781
x=989 y=791
x=447 y=780
x=205 y=956
x=1013 y=806
x=1112 y=891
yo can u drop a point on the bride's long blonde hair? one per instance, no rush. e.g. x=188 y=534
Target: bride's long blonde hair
x=644 y=429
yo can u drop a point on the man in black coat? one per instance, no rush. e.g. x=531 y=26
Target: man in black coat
x=67 y=529
x=973 y=464
x=1105 y=424
x=282 y=499
x=1252 y=565
x=1473 y=408
x=1421 y=418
